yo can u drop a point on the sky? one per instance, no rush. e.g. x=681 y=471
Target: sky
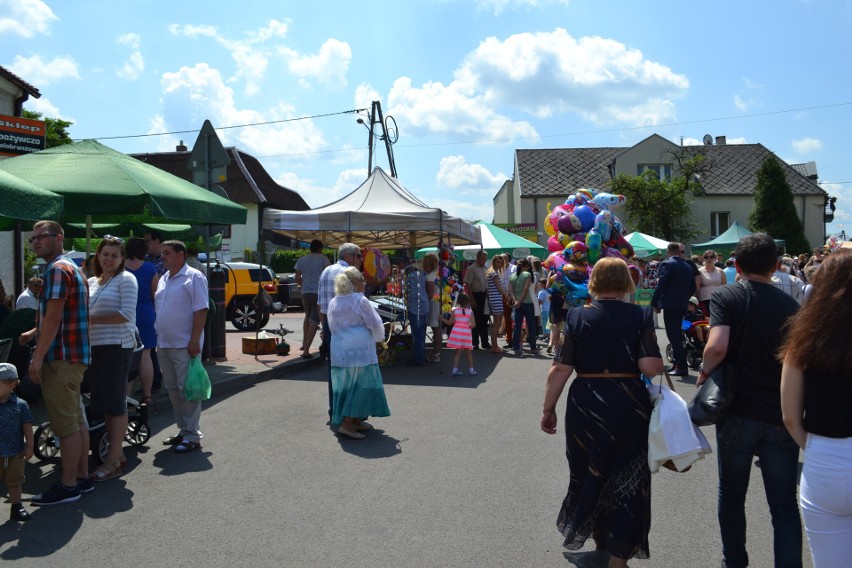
x=466 y=82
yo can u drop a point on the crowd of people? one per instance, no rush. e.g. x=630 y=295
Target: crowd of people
x=87 y=329
x=793 y=388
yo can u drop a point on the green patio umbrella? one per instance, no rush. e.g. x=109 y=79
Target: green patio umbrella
x=102 y=185
x=21 y=200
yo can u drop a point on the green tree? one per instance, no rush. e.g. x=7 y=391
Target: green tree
x=663 y=207
x=56 y=130
x=774 y=212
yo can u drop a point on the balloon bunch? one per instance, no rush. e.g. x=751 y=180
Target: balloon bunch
x=452 y=285
x=582 y=230
x=376 y=264
x=832 y=244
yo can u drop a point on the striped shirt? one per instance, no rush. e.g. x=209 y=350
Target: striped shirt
x=64 y=281
x=119 y=295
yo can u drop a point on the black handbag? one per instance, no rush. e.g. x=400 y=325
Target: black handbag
x=716 y=395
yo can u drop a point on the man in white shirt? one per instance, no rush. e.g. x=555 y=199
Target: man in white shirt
x=181 y=302
x=309 y=268
x=788 y=283
x=29 y=297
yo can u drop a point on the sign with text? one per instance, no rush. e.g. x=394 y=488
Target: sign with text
x=21 y=135
x=525 y=230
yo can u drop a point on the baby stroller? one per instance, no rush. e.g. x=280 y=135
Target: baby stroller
x=692 y=345
x=46 y=444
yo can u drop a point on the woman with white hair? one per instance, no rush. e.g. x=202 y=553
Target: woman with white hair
x=356 y=381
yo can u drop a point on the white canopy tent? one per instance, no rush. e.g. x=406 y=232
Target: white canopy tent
x=380 y=213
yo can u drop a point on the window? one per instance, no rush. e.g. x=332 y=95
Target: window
x=664 y=171
x=719 y=222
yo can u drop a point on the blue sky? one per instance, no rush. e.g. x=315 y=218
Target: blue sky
x=467 y=81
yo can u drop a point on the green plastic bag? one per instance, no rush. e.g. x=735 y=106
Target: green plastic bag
x=197 y=386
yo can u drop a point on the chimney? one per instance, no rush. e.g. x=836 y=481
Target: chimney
x=180 y=147
x=720 y=140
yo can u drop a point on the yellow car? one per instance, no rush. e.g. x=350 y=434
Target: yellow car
x=241 y=288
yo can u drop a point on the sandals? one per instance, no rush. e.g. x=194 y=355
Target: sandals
x=186 y=446
x=307 y=355
x=350 y=433
x=496 y=350
x=108 y=471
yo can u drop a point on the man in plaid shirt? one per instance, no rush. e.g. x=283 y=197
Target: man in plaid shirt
x=59 y=360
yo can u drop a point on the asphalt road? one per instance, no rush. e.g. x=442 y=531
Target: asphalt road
x=459 y=475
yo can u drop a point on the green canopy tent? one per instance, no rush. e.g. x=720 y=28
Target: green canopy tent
x=102 y=185
x=494 y=241
x=727 y=241
x=25 y=201
x=646 y=245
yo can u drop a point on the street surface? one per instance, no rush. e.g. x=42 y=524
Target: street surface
x=459 y=475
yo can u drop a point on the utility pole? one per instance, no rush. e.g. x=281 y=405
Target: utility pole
x=390 y=134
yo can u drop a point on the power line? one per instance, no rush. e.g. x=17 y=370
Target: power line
x=353 y=111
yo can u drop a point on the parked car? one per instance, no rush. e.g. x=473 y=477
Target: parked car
x=289 y=293
x=241 y=288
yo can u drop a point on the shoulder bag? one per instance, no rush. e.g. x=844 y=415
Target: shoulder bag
x=716 y=394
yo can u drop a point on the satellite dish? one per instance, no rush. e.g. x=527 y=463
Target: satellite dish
x=708 y=140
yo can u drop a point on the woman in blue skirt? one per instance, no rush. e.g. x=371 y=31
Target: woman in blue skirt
x=356 y=381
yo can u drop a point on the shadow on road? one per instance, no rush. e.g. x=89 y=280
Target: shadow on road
x=590 y=559
x=375 y=444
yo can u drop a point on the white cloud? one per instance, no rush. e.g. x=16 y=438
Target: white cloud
x=193 y=94
x=46 y=108
x=546 y=73
x=740 y=103
x=452 y=109
x=728 y=140
x=456 y=174
x=807 y=145
x=499 y=6
x=135 y=63
x=752 y=85
x=251 y=58
x=328 y=67
x=469 y=210
x=40 y=73
x=25 y=18
x=365 y=94
x=317 y=195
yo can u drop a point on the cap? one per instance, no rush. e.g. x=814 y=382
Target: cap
x=8 y=372
x=693 y=300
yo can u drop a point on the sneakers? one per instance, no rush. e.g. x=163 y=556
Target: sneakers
x=85 y=486
x=19 y=513
x=57 y=494
x=472 y=373
x=457 y=373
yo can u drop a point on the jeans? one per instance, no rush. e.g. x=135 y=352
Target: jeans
x=739 y=440
x=418 y=335
x=673 y=320
x=525 y=312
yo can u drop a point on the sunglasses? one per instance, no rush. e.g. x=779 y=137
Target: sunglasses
x=709 y=256
x=35 y=238
x=111 y=238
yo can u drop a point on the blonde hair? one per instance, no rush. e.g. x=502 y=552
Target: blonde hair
x=347 y=281
x=610 y=275
x=429 y=263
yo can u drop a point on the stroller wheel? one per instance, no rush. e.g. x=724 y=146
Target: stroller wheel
x=692 y=359
x=45 y=446
x=138 y=432
x=101 y=445
x=669 y=353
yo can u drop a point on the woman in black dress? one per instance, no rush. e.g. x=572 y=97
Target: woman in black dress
x=609 y=342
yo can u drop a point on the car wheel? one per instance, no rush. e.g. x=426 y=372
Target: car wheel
x=244 y=316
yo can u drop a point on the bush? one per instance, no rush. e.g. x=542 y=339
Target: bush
x=285 y=260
